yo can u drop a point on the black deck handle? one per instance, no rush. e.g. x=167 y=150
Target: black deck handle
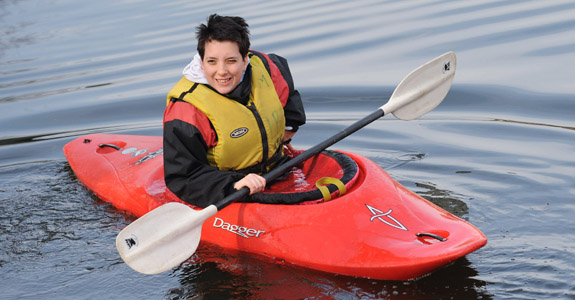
x=431 y=235
x=111 y=146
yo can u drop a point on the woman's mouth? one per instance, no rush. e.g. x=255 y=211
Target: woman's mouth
x=223 y=81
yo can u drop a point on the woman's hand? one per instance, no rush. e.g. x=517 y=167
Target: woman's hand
x=254 y=182
x=288 y=135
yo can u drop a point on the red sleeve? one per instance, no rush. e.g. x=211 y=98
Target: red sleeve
x=188 y=113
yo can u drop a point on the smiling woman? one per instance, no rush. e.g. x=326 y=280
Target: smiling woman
x=229 y=117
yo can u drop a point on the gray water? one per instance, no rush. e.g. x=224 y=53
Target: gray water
x=498 y=152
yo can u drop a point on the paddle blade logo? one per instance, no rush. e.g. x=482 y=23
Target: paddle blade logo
x=385 y=217
x=131 y=241
x=446 y=67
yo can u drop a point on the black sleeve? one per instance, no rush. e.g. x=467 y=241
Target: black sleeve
x=294 y=111
x=186 y=170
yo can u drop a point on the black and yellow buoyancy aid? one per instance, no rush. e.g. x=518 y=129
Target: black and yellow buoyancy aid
x=248 y=135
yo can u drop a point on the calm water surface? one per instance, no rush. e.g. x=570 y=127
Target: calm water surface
x=498 y=152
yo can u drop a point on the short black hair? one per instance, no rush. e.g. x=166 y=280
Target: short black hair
x=224 y=28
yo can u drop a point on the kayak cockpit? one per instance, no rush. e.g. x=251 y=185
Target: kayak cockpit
x=331 y=171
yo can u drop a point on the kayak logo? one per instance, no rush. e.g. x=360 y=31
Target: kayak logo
x=241 y=231
x=134 y=151
x=385 y=217
x=149 y=156
x=239 y=132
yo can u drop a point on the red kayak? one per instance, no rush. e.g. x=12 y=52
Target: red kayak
x=376 y=229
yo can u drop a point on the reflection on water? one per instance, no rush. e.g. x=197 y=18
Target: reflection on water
x=497 y=152
x=246 y=277
x=443 y=199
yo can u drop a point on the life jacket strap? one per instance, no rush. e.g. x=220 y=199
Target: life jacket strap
x=263 y=167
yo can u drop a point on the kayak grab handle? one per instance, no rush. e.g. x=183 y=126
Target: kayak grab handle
x=431 y=235
x=325 y=192
x=111 y=146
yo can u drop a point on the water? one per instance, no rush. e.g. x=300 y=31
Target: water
x=497 y=152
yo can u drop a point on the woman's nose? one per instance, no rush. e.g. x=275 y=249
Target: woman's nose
x=222 y=69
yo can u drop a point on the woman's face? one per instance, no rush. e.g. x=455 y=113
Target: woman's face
x=223 y=65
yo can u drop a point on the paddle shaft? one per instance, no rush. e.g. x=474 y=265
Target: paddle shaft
x=281 y=169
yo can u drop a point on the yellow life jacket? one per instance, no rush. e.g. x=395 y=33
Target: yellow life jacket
x=249 y=134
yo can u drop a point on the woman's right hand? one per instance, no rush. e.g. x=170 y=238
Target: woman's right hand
x=254 y=182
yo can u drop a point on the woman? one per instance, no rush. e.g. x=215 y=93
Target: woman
x=229 y=117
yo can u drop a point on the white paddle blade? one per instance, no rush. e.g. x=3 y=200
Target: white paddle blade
x=423 y=89
x=163 y=238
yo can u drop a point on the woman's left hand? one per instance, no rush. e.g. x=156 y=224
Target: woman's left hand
x=288 y=135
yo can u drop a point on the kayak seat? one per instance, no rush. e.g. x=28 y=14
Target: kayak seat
x=299 y=185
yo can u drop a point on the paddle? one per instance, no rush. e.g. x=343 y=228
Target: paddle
x=170 y=234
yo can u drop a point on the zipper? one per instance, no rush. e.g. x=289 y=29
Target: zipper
x=263 y=133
